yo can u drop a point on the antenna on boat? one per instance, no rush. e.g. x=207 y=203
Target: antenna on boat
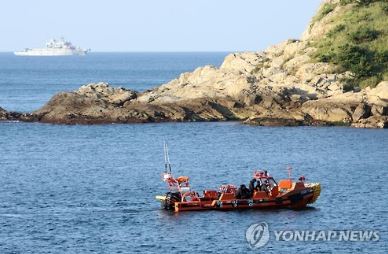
x=289 y=169
x=167 y=164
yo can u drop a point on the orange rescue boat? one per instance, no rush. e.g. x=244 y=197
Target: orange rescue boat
x=263 y=192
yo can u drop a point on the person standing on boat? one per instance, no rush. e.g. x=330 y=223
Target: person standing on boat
x=252 y=186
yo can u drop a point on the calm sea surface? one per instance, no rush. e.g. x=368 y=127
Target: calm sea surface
x=90 y=189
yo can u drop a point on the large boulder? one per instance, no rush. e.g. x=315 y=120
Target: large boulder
x=327 y=111
x=372 y=122
x=92 y=103
x=362 y=111
x=204 y=82
x=378 y=110
x=244 y=62
x=378 y=95
x=102 y=91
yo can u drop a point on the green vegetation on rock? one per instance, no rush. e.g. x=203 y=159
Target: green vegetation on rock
x=326 y=9
x=358 y=41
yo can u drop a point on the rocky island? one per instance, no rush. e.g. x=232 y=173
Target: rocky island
x=336 y=74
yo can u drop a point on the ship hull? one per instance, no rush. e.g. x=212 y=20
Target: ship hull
x=55 y=52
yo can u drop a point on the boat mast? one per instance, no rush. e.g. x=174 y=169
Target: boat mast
x=167 y=164
x=289 y=170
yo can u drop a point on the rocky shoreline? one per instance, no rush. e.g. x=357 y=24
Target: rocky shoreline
x=280 y=86
x=101 y=103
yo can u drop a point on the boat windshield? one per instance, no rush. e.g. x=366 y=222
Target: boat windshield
x=272 y=182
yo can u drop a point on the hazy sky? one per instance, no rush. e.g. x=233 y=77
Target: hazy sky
x=154 y=25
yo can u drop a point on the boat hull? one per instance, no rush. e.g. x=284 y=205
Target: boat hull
x=294 y=199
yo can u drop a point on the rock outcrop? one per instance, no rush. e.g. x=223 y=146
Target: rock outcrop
x=3 y=114
x=282 y=85
x=100 y=103
x=16 y=116
x=268 y=106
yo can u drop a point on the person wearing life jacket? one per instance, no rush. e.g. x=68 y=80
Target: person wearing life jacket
x=254 y=185
x=243 y=192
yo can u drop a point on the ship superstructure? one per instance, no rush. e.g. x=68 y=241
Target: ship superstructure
x=54 y=47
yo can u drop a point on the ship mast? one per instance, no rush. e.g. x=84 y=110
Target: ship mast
x=167 y=164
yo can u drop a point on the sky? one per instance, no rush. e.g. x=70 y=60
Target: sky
x=154 y=25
